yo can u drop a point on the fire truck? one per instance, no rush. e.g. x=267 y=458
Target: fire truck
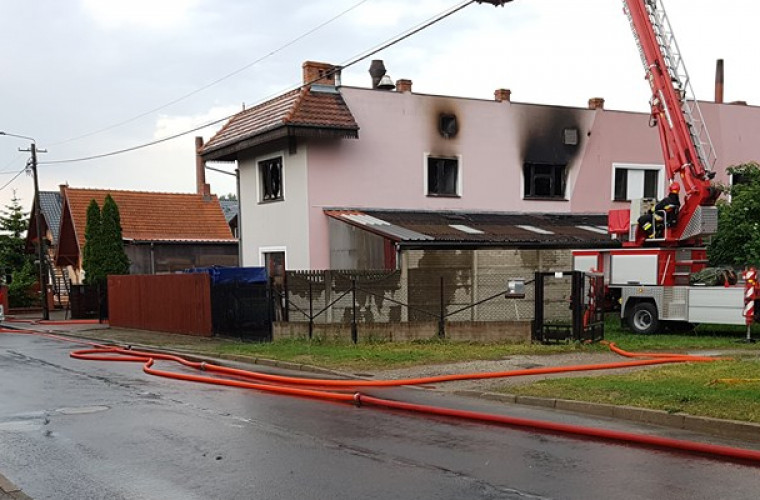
x=651 y=273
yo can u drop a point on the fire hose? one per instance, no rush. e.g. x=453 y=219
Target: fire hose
x=345 y=391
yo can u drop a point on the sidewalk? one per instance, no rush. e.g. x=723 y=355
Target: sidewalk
x=206 y=349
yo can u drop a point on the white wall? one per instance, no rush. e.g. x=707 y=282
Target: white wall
x=276 y=225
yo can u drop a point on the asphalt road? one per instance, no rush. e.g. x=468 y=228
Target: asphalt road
x=73 y=429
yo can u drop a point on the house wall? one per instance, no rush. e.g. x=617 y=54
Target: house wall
x=277 y=225
x=164 y=258
x=385 y=167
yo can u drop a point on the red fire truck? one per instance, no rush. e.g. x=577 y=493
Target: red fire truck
x=651 y=274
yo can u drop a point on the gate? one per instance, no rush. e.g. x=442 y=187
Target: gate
x=242 y=310
x=568 y=306
x=240 y=302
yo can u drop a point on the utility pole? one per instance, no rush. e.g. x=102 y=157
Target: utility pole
x=41 y=250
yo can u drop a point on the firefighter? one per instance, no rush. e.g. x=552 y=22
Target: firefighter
x=652 y=222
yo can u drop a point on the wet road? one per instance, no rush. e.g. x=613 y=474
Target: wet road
x=74 y=429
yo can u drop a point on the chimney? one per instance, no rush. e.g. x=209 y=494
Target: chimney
x=596 y=103
x=319 y=73
x=719 y=81
x=502 y=95
x=403 y=85
x=201 y=186
x=376 y=71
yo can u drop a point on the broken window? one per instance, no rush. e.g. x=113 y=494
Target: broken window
x=442 y=176
x=270 y=172
x=544 y=181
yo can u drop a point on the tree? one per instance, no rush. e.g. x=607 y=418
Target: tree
x=15 y=262
x=103 y=253
x=13 y=224
x=737 y=242
x=228 y=197
x=115 y=260
x=92 y=252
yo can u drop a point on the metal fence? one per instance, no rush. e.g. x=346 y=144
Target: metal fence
x=424 y=295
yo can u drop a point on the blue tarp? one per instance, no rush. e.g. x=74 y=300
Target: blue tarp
x=230 y=275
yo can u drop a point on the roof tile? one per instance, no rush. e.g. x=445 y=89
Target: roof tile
x=147 y=216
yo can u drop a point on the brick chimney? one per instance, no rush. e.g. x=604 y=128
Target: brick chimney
x=502 y=95
x=319 y=73
x=596 y=103
x=403 y=85
x=201 y=186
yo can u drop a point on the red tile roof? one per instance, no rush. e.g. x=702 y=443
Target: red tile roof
x=153 y=216
x=307 y=107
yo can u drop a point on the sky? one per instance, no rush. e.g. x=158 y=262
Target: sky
x=92 y=77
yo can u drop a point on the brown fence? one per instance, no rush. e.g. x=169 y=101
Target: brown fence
x=176 y=303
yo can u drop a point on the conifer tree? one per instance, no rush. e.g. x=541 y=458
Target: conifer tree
x=92 y=253
x=115 y=259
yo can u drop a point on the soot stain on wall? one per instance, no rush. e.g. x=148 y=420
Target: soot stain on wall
x=543 y=136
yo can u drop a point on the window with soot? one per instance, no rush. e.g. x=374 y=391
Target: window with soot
x=544 y=181
x=442 y=176
x=270 y=172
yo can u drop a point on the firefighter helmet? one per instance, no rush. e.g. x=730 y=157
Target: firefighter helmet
x=674 y=187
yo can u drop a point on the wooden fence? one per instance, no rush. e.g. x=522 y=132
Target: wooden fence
x=175 y=303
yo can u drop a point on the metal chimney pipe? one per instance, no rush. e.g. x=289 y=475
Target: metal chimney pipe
x=719 y=81
x=376 y=71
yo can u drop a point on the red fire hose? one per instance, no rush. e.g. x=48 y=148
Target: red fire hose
x=340 y=391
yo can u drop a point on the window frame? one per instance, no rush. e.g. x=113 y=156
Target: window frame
x=529 y=176
x=426 y=175
x=260 y=166
x=640 y=167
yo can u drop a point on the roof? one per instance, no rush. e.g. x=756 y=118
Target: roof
x=307 y=111
x=230 y=208
x=156 y=217
x=50 y=202
x=472 y=229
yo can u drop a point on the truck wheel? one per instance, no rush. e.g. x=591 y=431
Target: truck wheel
x=643 y=319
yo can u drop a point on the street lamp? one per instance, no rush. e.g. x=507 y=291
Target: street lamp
x=40 y=239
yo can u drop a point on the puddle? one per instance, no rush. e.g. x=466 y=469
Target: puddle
x=81 y=410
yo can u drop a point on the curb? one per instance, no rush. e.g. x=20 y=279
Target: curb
x=11 y=491
x=732 y=429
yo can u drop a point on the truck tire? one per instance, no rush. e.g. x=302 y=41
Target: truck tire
x=643 y=319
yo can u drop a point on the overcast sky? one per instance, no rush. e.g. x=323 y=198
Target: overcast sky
x=88 y=77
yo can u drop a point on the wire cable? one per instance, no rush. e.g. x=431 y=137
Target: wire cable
x=389 y=43
x=218 y=80
x=12 y=179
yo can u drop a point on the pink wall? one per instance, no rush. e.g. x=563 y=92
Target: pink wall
x=384 y=168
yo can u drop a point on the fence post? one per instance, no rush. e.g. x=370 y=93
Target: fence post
x=354 y=335
x=311 y=312
x=442 y=319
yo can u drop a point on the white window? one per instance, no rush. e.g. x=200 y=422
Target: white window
x=443 y=175
x=634 y=181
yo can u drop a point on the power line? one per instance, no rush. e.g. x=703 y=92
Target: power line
x=218 y=80
x=356 y=59
x=13 y=179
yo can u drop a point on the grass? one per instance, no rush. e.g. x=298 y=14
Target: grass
x=386 y=355
x=721 y=389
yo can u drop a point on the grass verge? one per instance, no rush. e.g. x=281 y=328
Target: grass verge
x=721 y=389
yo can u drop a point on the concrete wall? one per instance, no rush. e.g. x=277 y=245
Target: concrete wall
x=517 y=332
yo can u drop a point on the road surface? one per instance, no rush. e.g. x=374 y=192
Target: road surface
x=72 y=429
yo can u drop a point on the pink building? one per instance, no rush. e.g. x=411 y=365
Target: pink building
x=339 y=177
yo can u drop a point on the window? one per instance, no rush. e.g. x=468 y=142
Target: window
x=270 y=173
x=634 y=182
x=544 y=181
x=442 y=176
